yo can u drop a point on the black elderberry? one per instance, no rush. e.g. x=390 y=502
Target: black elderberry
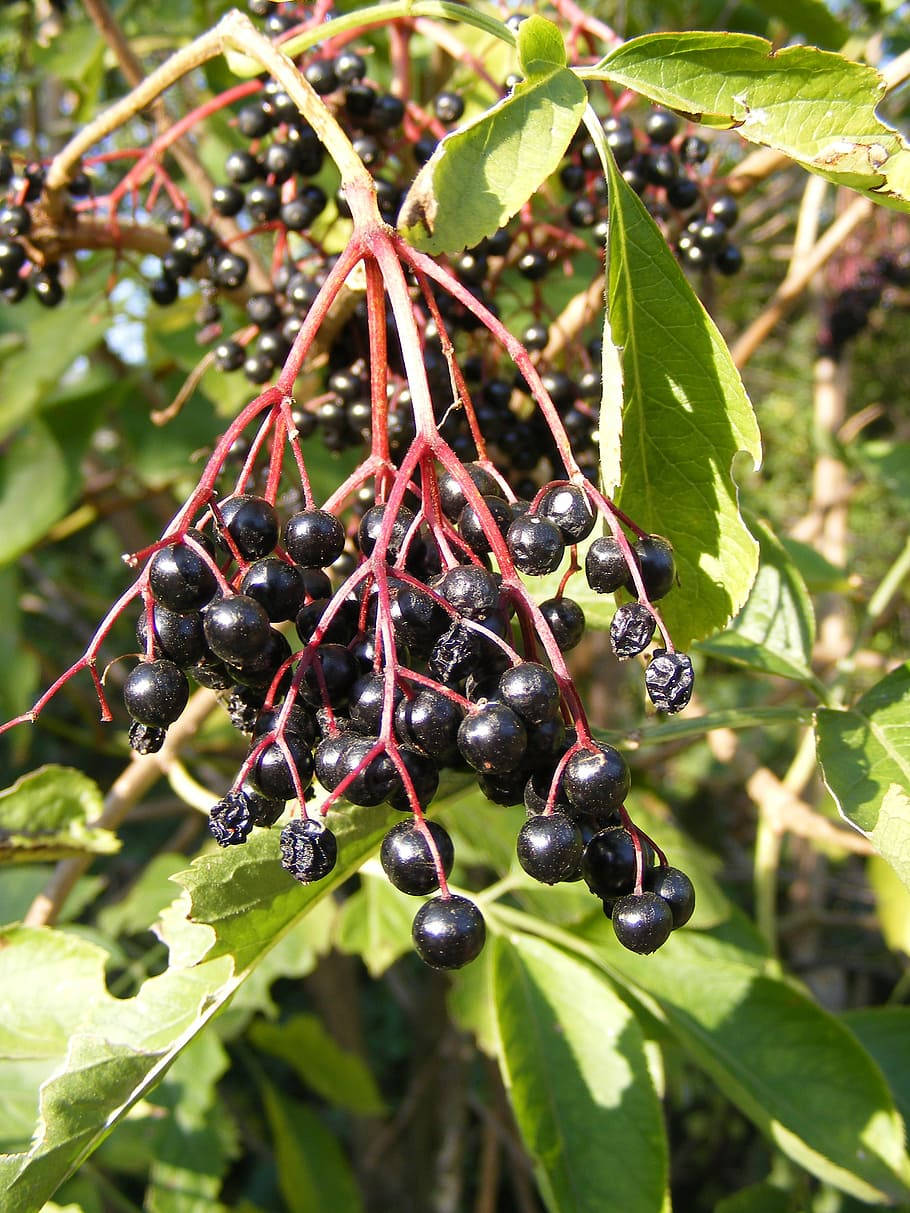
x=15 y=221
x=661 y=126
x=252 y=524
x=146 y=739
x=531 y=690
x=729 y=260
x=228 y=355
x=654 y=556
x=505 y=788
x=263 y=202
x=387 y=112
x=566 y=506
x=178 y=636
x=374 y=779
x=448 y=107
x=533 y=265
x=320 y=75
x=309 y=850
x=535 y=545
x=12 y=259
x=407 y=861
x=236 y=628
x=334 y=667
x=430 y=720
x=631 y=629
x=314 y=538
x=452 y=497
x=156 y=692
x=230 y=820
x=472 y=527
x=230 y=270
x=669 y=679
x=278 y=586
x=566 y=620
x=298 y=720
x=492 y=739
x=642 y=922
x=258 y=368
x=609 y=863
x=242 y=167
x=272 y=773
x=264 y=810
x=675 y=888
x=255 y=120
x=605 y=566
x=349 y=66
x=227 y=200
x=212 y=673
x=366 y=702
x=549 y=847
x=693 y=150
x=260 y=670
x=621 y=142
x=682 y=193
x=47 y=288
x=424 y=776
x=597 y=779
x=470 y=590
x=243 y=704
x=448 y=932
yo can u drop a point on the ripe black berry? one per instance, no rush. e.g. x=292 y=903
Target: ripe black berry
x=596 y=780
x=242 y=167
x=642 y=922
x=549 y=847
x=452 y=497
x=535 y=545
x=605 y=566
x=566 y=506
x=669 y=679
x=656 y=564
x=272 y=773
x=661 y=126
x=566 y=620
x=472 y=528
x=314 y=538
x=471 y=590
x=631 y=629
x=533 y=265
x=493 y=739
x=278 y=586
x=448 y=107
x=309 y=850
x=675 y=888
x=227 y=200
x=146 y=739
x=252 y=524
x=236 y=628
x=448 y=932
x=406 y=859
x=531 y=690
x=156 y=692
x=608 y=863
x=430 y=720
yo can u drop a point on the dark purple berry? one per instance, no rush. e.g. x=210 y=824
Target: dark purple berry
x=145 y=738
x=493 y=739
x=448 y=932
x=406 y=859
x=252 y=524
x=156 y=692
x=549 y=847
x=669 y=679
x=605 y=566
x=309 y=850
x=631 y=629
x=656 y=564
x=236 y=628
x=566 y=620
x=596 y=780
x=609 y=864
x=314 y=538
x=675 y=888
x=642 y=922
x=535 y=545
x=230 y=820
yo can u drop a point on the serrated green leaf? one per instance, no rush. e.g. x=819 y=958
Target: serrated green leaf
x=483 y=173
x=775 y=630
x=337 y=1074
x=541 y=49
x=865 y=758
x=375 y=923
x=813 y=105
x=47 y=814
x=234 y=910
x=686 y=416
x=573 y=1060
x=313 y=1173
x=786 y=1063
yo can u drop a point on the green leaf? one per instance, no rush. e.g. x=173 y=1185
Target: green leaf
x=810 y=17
x=819 y=574
x=812 y=105
x=686 y=416
x=483 y=173
x=47 y=814
x=375 y=923
x=313 y=1173
x=865 y=757
x=573 y=1060
x=338 y=1075
x=892 y=903
x=884 y=1032
x=145 y=900
x=787 y=1064
x=18 y=662
x=889 y=463
x=237 y=905
x=775 y=630
x=35 y=489
x=541 y=49
x=757 y=1198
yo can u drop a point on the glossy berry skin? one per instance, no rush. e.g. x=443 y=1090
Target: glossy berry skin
x=676 y=889
x=236 y=628
x=448 y=932
x=252 y=524
x=156 y=692
x=230 y=820
x=473 y=529
x=596 y=780
x=278 y=586
x=371 y=525
x=178 y=637
x=566 y=506
x=669 y=680
x=535 y=545
x=656 y=564
x=566 y=621
x=448 y=107
x=47 y=288
x=531 y=690
x=452 y=496
x=314 y=538
x=406 y=859
x=608 y=863
x=309 y=850
x=424 y=776
x=180 y=579
x=631 y=629
x=472 y=591
x=642 y=923
x=271 y=773
x=549 y=847
x=430 y=720
x=605 y=566
x=493 y=739
x=661 y=126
